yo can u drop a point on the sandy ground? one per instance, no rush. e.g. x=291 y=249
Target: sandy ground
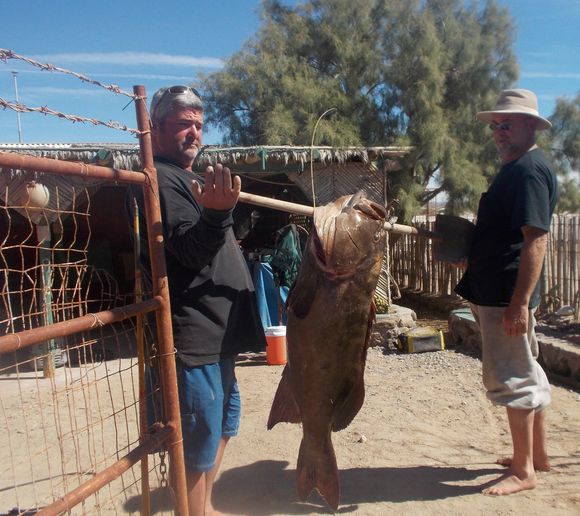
x=423 y=443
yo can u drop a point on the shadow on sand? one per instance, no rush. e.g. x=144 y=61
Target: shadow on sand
x=268 y=487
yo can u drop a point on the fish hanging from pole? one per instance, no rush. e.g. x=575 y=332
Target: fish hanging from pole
x=330 y=314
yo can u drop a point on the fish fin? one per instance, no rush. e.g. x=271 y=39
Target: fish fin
x=350 y=407
x=317 y=469
x=284 y=407
x=371 y=320
x=300 y=299
x=356 y=396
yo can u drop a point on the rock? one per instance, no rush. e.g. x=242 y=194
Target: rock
x=565 y=311
x=464 y=330
x=388 y=327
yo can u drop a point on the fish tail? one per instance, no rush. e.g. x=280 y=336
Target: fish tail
x=317 y=469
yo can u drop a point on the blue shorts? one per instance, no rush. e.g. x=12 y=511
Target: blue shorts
x=210 y=406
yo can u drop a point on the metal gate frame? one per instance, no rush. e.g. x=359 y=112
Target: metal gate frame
x=170 y=433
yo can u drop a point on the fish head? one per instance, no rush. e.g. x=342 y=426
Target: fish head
x=349 y=235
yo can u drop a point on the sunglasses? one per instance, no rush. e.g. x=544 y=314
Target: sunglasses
x=504 y=126
x=176 y=90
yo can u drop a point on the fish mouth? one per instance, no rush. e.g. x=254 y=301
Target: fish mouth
x=366 y=209
x=369 y=208
x=372 y=209
x=321 y=260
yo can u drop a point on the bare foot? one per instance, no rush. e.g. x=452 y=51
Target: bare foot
x=543 y=465
x=509 y=484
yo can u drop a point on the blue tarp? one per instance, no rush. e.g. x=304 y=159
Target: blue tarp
x=271 y=299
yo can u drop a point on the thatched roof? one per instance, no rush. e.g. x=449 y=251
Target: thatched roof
x=337 y=170
x=254 y=159
x=118 y=155
x=296 y=154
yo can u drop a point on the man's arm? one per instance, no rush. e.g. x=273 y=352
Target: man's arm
x=515 y=319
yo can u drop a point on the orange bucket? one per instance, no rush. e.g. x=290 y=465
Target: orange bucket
x=276 y=345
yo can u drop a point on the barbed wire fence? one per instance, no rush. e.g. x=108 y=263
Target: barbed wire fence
x=70 y=406
x=6 y=54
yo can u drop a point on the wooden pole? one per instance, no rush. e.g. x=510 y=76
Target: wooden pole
x=308 y=211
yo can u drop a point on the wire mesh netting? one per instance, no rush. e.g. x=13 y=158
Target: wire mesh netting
x=69 y=406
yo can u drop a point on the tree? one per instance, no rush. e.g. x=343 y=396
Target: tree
x=563 y=142
x=399 y=72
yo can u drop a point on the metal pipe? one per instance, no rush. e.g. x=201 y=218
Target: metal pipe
x=76 y=496
x=140 y=339
x=18 y=161
x=44 y=255
x=163 y=316
x=14 y=73
x=14 y=341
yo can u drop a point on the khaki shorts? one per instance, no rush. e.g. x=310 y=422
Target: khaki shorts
x=511 y=374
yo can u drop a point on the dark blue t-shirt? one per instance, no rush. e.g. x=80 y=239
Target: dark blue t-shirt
x=522 y=194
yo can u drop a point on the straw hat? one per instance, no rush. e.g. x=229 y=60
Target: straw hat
x=523 y=102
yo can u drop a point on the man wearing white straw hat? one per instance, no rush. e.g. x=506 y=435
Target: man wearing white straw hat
x=501 y=282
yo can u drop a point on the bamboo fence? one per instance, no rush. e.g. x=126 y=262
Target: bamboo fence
x=413 y=265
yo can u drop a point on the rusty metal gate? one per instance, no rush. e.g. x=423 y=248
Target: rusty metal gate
x=53 y=422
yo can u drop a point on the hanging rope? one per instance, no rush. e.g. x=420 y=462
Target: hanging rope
x=312 y=153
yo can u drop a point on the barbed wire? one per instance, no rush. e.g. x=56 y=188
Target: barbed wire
x=6 y=54
x=21 y=108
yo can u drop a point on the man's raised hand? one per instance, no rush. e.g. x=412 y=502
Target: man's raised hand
x=220 y=192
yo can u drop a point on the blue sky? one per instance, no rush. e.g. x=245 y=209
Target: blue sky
x=167 y=42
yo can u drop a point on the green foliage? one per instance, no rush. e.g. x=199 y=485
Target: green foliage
x=381 y=305
x=563 y=143
x=399 y=72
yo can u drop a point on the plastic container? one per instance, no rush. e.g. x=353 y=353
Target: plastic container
x=276 y=345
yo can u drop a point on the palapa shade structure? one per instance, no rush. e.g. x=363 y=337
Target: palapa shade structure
x=309 y=175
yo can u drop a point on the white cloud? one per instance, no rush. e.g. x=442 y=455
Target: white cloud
x=148 y=76
x=550 y=75
x=132 y=58
x=109 y=75
x=73 y=92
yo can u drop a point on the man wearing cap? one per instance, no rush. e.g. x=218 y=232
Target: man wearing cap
x=213 y=307
x=501 y=282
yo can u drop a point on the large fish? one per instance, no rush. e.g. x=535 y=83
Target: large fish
x=330 y=313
